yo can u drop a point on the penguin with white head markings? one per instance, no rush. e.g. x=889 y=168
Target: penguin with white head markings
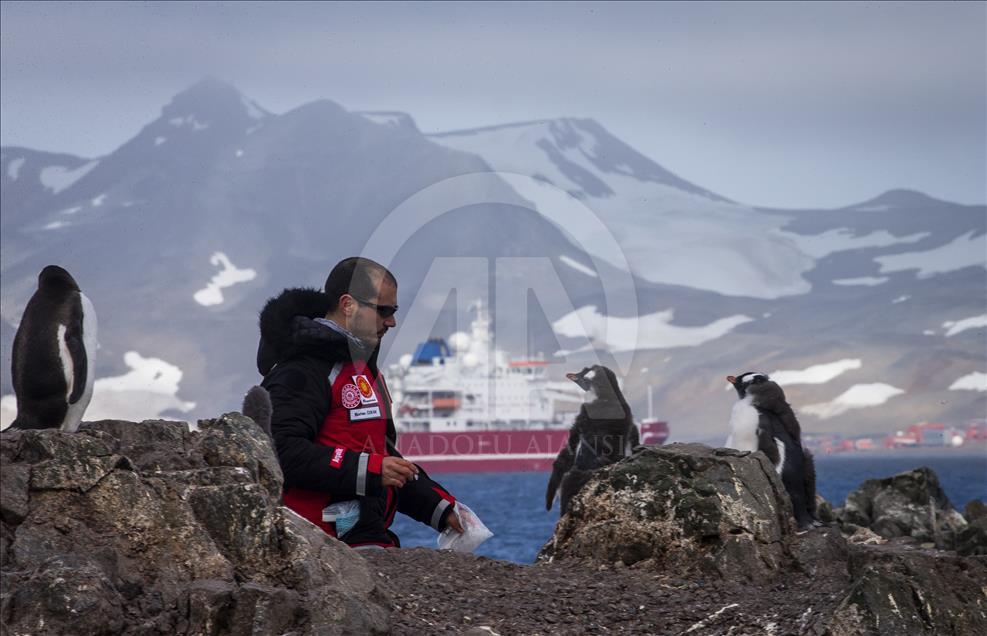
x=54 y=354
x=762 y=419
x=603 y=433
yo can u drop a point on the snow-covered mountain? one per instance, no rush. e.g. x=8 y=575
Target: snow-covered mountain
x=875 y=313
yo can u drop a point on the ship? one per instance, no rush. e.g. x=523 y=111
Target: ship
x=462 y=405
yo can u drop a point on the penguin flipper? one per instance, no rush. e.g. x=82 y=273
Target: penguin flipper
x=633 y=440
x=560 y=467
x=809 y=466
x=766 y=438
x=80 y=362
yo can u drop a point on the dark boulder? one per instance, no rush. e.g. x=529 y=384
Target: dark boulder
x=900 y=589
x=975 y=509
x=685 y=507
x=910 y=504
x=125 y=528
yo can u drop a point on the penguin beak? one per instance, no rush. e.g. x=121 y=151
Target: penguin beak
x=731 y=379
x=573 y=376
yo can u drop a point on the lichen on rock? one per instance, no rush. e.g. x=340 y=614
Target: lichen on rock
x=683 y=506
x=136 y=528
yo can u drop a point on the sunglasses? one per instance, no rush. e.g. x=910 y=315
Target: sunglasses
x=384 y=311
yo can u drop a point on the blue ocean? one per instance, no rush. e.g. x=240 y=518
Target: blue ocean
x=512 y=505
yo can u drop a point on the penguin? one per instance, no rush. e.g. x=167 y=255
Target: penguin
x=257 y=406
x=603 y=433
x=762 y=419
x=54 y=354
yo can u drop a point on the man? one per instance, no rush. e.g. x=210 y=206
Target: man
x=332 y=424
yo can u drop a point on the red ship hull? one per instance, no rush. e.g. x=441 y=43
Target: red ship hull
x=483 y=451
x=496 y=451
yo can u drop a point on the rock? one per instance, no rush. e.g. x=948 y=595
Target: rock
x=975 y=509
x=910 y=504
x=972 y=540
x=896 y=590
x=66 y=594
x=249 y=448
x=125 y=528
x=682 y=507
x=824 y=510
x=865 y=536
x=820 y=552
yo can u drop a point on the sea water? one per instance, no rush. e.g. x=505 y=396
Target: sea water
x=512 y=505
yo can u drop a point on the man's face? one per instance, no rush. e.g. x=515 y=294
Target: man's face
x=365 y=321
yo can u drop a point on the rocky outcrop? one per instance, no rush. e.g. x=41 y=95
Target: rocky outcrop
x=126 y=528
x=685 y=507
x=901 y=589
x=972 y=540
x=910 y=504
x=715 y=514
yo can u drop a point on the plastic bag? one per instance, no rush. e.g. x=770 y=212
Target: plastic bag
x=344 y=514
x=474 y=532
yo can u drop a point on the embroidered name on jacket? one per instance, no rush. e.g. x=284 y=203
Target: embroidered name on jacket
x=367 y=413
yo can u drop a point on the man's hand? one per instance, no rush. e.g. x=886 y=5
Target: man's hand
x=452 y=521
x=395 y=471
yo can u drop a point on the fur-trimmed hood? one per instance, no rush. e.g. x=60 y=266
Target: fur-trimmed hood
x=288 y=328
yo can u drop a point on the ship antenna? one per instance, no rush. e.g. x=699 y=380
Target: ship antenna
x=651 y=414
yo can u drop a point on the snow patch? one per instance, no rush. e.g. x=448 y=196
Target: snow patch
x=8 y=411
x=212 y=293
x=147 y=391
x=882 y=207
x=160 y=140
x=72 y=210
x=698 y=239
x=98 y=200
x=579 y=267
x=856 y=397
x=964 y=251
x=928 y=332
x=842 y=239
x=188 y=120
x=869 y=281
x=816 y=374
x=976 y=381
x=56 y=225
x=954 y=327
x=900 y=299
x=57 y=178
x=654 y=331
x=239 y=152
x=384 y=120
x=14 y=168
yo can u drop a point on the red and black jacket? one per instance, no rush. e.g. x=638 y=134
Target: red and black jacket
x=332 y=424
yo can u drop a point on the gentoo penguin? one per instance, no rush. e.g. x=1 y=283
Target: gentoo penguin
x=603 y=433
x=54 y=354
x=762 y=419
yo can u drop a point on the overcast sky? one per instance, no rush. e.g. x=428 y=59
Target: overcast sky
x=773 y=104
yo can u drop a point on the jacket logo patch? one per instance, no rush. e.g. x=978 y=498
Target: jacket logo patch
x=337 y=457
x=368 y=413
x=350 y=396
x=367 y=395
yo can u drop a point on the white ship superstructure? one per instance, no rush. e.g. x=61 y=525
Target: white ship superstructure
x=468 y=385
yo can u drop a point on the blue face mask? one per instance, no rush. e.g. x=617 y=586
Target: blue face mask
x=344 y=514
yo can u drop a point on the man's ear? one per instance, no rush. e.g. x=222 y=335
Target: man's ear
x=348 y=305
